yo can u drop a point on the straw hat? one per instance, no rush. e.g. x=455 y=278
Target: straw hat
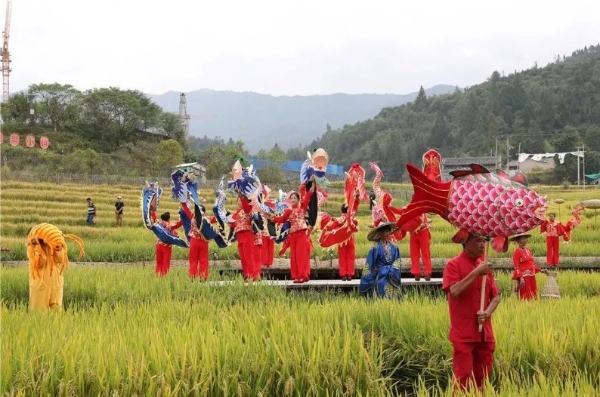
x=375 y=234
x=518 y=236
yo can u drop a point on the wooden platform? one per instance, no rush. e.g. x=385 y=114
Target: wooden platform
x=330 y=284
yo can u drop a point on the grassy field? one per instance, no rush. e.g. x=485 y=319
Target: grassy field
x=127 y=333
x=25 y=204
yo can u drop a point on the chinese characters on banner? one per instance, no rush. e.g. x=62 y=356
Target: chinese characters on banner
x=44 y=142
x=30 y=141
x=15 y=139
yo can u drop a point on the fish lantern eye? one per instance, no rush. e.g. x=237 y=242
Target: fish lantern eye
x=519 y=202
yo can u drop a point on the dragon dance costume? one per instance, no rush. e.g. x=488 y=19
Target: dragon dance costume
x=420 y=226
x=340 y=231
x=525 y=270
x=300 y=246
x=48 y=259
x=553 y=230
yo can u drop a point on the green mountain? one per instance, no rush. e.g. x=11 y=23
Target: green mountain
x=555 y=108
x=263 y=120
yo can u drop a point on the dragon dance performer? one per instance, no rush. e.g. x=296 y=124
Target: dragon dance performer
x=299 y=243
x=199 y=244
x=268 y=236
x=525 y=268
x=164 y=250
x=48 y=259
x=420 y=246
x=340 y=231
x=553 y=230
x=381 y=259
x=242 y=229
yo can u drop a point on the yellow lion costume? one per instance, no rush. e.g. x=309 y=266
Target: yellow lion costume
x=47 y=254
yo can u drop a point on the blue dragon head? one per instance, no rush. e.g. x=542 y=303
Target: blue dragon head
x=315 y=164
x=184 y=187
x=245 y=180
x=151 y=194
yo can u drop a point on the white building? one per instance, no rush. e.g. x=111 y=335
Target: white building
x=198 y=169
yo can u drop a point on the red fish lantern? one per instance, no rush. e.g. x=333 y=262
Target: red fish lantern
x=477 y=201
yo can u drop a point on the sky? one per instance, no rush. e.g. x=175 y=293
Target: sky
x=288 y=47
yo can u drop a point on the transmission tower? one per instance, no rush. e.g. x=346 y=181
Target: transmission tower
x=185 y=116
x=6 y=55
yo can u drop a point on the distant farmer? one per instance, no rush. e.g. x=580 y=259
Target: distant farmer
x=119 y=211
x=473 y=351
x=91 y=212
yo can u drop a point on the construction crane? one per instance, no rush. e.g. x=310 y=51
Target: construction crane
x=185 y=117
x=6 y=55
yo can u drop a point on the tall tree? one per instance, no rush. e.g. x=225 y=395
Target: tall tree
x=59 y=107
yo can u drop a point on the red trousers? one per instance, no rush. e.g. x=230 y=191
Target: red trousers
x=419 y=249
x=247 y=252
x=347 y=257
x=163 y=259
x=552 y=250
x=299 y=255
x=268 y=249
x=529 y=290
x=472 y=362
x=198 y=258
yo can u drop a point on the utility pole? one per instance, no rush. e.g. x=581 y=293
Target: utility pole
x=507 y=154
x=579 y=148
x=583 y=161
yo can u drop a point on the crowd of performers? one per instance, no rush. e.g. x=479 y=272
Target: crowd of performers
x=262 y=220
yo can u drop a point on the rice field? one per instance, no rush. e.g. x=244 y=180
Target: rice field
x=25 y=204
x=127 y=333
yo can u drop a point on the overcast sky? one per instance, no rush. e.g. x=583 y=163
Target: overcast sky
x=285 y=47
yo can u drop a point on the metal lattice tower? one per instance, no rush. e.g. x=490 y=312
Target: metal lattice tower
x=6 y=55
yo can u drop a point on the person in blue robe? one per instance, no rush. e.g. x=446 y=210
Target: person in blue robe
x=381 y=259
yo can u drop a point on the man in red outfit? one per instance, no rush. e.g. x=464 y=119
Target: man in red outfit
x=553 y=230
x=163 y=250
x=198 y=255
x=420 y=243
x=473 y=351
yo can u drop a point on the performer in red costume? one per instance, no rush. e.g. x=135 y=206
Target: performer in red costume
x=198 y=255
x=420 y=246
x=553 y=230
x=300 y=245
x=268 y=241
x=244 y=236
x=473 y=351
x=163 y=251
x=525 y=268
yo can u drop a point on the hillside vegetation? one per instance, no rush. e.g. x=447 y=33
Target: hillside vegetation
x=551 y=109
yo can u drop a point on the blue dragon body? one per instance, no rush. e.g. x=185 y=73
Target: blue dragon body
x=151 y=194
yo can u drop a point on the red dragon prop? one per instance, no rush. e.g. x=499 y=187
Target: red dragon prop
x=339 y=230
x=383 y=210
x=432 y=165
x=573 y=223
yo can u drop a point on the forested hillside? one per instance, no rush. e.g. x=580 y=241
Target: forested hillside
x=549 y=109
